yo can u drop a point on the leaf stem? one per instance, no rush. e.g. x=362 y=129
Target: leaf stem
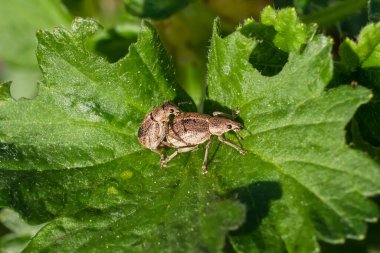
x=334 y=12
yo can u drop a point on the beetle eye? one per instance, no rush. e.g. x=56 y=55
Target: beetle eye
x=171 y=110
x=229 y=126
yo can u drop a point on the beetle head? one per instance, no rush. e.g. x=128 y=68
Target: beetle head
x=219 y=126
x=162 y=113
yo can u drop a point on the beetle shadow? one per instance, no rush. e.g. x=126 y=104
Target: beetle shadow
x=183 y=100
x=257 y=197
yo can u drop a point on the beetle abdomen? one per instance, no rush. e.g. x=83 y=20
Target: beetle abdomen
x=188 y=130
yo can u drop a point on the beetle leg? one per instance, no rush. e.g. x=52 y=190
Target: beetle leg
x=204 y=164
x=218 y=113
x=179 y=150
x=240 y=150
x=223 y=114
x=160 y=152
x=165 y=143
x=165 y=161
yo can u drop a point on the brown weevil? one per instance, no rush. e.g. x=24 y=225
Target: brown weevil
x=188 y=130
x=154 y=127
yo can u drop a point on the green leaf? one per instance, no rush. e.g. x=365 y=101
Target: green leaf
x=348 y=56
x=5 y=90
x=359 y=142
x=114 y=43
x=267 y=58
x=75 y=160
x=370 y=244
x=154 y=9
x=20 y=232
x=362 y=62
x=151 y=210
x=279 y=33
x=291 y=33
x=368 y=47
x=300 y=181
x=19 y=22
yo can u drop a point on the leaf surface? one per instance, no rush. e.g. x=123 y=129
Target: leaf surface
x=361 y=61
x=291 y=33
x=299 y=179
x=19 y=231
x=76 y=161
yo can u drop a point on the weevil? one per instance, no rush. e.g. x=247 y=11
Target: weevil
x=188 y=130
x=154 y=127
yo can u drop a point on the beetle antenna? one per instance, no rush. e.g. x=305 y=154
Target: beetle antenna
x=184 y=103
x=235 y=113
x=239 y=136
x=232 y=116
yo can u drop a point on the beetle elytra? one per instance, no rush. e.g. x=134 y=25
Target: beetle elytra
x=188 y=130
